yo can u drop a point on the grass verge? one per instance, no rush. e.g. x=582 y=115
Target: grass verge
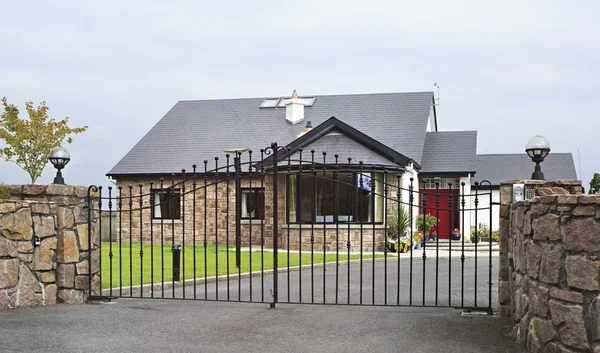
x=156 y=264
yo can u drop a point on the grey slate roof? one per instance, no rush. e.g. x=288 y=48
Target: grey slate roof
x=497 y=167
x=193 y=131
x=449 y=151
x=345 y=147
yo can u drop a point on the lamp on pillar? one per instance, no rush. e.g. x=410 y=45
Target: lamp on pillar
x=537 y=148
x=237 y=165
x=59 y=157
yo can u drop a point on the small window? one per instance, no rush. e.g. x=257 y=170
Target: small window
x=308 y=102
x=166 y=204
x=253 y=203
x=269 y=103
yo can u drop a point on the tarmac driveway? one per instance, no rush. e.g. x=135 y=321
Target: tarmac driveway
x=157 y=325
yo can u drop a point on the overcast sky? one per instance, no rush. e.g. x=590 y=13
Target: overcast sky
x=508 y=69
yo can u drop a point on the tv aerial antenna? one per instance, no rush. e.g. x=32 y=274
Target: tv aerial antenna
x=437 y=100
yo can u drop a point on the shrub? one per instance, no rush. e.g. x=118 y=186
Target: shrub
x=496 y=236
x=4 y=194
x=430 y=222
x=399 y=223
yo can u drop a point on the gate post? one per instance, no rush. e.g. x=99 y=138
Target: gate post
x=274 y=147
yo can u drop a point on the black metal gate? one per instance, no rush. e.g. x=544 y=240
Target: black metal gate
x=301 y=227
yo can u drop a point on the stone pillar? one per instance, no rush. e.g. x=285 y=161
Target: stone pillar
x=505 y=274
x=27 y=273
x=73 y=247
x=549 y=280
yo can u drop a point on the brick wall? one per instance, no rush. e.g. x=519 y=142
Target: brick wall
x=220 y=224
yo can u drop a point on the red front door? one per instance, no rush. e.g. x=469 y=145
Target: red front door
x=446 y=214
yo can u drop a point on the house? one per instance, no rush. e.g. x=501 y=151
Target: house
x=348 y=162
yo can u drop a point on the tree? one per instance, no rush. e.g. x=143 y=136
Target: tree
x=595 y=184
x=28 y=141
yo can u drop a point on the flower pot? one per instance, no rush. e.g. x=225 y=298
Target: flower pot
x=455 y=237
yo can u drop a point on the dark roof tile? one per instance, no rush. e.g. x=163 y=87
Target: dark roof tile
x=449 y=151
x=193 y=131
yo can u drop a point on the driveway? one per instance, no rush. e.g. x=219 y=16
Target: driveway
x=150 y=325
x=437 y=282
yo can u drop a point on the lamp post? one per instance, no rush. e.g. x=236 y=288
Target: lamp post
x=537 y=148
x=237 y=165
x=59 y=157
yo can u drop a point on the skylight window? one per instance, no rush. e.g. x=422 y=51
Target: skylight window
x=308 y=102
x=269 y=103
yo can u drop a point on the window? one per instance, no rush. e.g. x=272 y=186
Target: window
x=269 y=103
x=319 y=199
x=443 y=183
x=308 y=101
x=253 y=203
x=166 y=204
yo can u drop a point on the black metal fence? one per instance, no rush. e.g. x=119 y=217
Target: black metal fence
x=300 y=227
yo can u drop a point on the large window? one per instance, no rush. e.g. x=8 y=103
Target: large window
x=319 y=198
x=166 y=204
x=253 y=203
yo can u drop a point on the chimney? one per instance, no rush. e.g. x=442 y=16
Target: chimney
x=294 y=109
x=308 y=126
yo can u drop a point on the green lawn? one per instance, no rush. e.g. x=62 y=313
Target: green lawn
x=144 y=272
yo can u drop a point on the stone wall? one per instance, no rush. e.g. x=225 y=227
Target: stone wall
x=549 y=287
x=27 y=274
x=58 y=215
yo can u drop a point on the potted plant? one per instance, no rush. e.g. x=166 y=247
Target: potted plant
x=399 y=222
x=456 y=234
x=398 y=227
x=425 y=224
x=496 y=236
x=417 y=238
x=476 y=235
x=434 y=236
x=402 y=244
x=391 y=243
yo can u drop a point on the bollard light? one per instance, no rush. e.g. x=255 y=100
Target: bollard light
x=176 y=262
